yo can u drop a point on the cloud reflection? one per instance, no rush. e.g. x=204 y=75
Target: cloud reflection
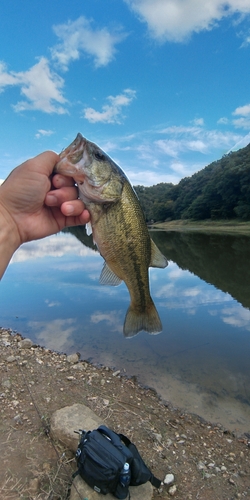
x=236 y=316
x=57 y=245
x=113 y=319
x=54 y=334
x=180 y=294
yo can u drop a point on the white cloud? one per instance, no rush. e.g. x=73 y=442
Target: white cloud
x=52 y=304
x=5 y=77
x=111 y=113
x=176 y=20
x=242 y=110
x=41 y=87
x=199 y=122
x=182 y=139
x=43 y=133
x=150 y=178
x=242 y=122
x=244 y=113
x=223 y=121
x=77 y=37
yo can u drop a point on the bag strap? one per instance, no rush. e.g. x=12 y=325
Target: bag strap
x=153 y=479
x=115 y=438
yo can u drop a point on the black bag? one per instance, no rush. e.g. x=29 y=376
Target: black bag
x=101 y=455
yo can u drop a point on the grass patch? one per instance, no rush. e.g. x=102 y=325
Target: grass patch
x=218 y=226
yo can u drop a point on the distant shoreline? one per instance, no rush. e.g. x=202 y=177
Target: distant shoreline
x=230 y=226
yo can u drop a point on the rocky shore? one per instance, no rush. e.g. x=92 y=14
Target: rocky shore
x=204 y=461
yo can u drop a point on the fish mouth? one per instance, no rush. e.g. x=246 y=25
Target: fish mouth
x=70 y=159
x=75 y=149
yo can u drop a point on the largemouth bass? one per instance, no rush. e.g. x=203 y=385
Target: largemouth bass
x=119 y=229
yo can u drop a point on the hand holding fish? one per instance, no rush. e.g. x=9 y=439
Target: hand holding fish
x=34 y=205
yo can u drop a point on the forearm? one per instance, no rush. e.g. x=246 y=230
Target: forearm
x=9 y=241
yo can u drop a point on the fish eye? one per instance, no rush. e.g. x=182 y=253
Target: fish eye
x=99 y=156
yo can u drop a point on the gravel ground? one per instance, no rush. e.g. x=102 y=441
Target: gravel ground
x=207 y=461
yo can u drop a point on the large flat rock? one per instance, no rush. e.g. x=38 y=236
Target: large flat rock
x=80 y=489
x=72 y=418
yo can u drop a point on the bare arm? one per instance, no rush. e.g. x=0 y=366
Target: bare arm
x=33 y=206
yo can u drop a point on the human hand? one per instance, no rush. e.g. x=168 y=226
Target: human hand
x=34 y=205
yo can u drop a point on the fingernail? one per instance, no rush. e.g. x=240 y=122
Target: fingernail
x=69 y=209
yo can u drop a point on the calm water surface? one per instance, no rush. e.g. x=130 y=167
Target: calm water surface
x=199 y=362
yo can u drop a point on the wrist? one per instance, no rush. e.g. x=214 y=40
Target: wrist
x=9 y=238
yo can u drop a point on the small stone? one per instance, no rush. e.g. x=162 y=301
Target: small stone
x=17 y=419
x=207 y=475
x=169 y=479
x=80 y=366
x=115 y=374
x=231 y=481
x=158 y=437
x=71 y=377
x=6 y=383
x=10 y=359
x=172 y=490
x=223 y=468
x=25 y=344
x=34 y=485
x=73 y=358
x=102 y=381
x=201 y=466
x=211 y=465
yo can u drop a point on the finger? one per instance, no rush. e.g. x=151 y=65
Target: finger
x=44 y=162
x=59 y=181
x=56 y=197
x=74 y=207
x=82 y=219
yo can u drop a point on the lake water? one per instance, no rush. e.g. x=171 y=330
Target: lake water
x=201 y=360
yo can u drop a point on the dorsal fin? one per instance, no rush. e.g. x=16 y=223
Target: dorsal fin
x=157 y=258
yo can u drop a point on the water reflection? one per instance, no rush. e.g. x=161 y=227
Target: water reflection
x=220 y=259
x=200 y=361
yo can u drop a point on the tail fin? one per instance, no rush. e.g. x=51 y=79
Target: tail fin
x=147 y=320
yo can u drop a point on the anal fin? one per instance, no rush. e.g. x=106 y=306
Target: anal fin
x=108 y=277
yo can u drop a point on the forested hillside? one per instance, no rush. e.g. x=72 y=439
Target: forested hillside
x=219 y=191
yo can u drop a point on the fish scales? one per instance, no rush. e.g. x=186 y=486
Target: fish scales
x=119 y=233
x=119 y=229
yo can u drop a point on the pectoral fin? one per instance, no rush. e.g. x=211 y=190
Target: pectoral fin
x=88 y=228
x=157 y=258
x=108 y=277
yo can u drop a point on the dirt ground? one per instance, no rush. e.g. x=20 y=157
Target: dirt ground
x=207 y=461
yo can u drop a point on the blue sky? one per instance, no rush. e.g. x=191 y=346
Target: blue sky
x=163 y=86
